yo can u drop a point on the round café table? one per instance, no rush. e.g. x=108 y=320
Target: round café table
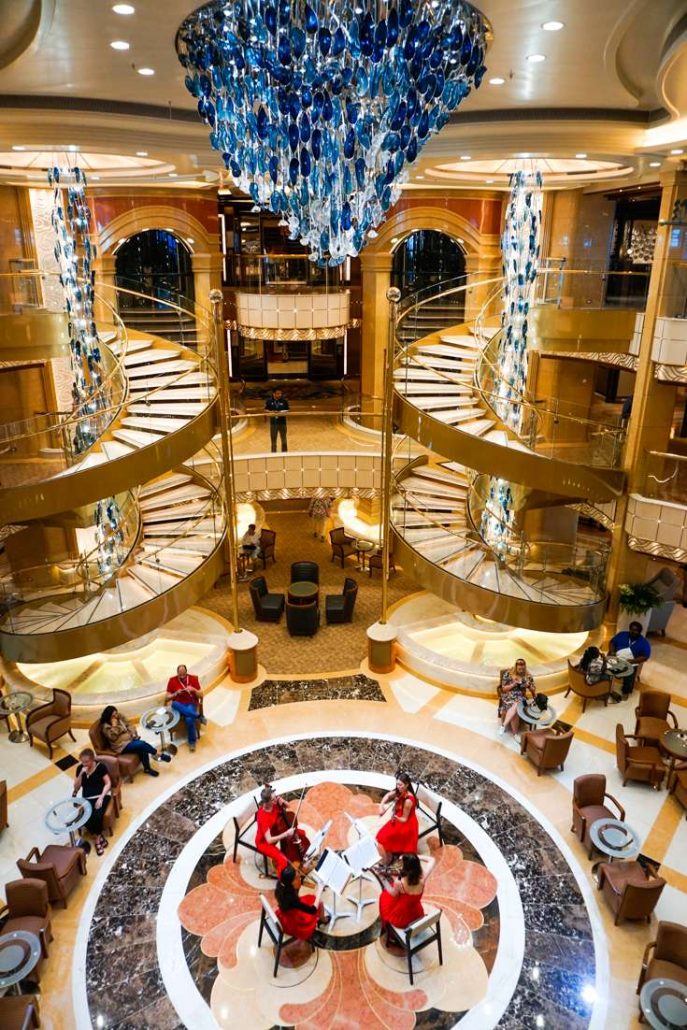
x=363 y=547
x=664 y=1003
x=20 y=952
x=613 y=838
x=68 y=816
x=161 y=720
x=619 y=668
x=674 y=743
x=303 y=592
x=532 y=714
x=14 y=704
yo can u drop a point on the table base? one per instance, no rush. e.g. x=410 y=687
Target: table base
x=18 y=737
x=168 y=749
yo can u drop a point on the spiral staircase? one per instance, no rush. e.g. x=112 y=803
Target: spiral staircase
x=146 y=447
x=443 y=385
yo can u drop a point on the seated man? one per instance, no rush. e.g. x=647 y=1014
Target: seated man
x=183 y=691
x=250 y=546
x=631 y=639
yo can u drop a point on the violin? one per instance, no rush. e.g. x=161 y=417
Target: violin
x=295 y=847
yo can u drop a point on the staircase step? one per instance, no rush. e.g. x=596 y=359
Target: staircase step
x=163 y=368
x=465 y=564
x=163 y=424
x=113 y=449
x=165 y=499
x=157 y=581
x=164 y=483
x=132 y=592
x=148 y=356
x=194 y=544
x=180 y=408
x=179 y=515
x=172 y=380
x=136 y=437
x=163 y=526
x=173 y=561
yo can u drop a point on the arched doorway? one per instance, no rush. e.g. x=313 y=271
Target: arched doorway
x=158 y=264
x=426 y=258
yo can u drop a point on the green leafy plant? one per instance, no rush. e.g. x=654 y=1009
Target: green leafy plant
x=639 y=598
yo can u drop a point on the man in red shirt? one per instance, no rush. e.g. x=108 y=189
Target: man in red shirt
x=183 y=691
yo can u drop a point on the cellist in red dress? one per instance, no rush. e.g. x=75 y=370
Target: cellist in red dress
x=275 y=828
x=400 y=834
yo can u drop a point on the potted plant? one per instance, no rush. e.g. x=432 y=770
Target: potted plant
x=636 y=603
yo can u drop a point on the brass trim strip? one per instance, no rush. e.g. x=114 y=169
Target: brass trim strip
x=627 y=361
x=656 y=549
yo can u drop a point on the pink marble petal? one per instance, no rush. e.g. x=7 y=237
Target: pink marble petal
x=203 y=908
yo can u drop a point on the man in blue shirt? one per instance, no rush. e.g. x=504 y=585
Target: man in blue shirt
x=277 y=402
x=640 y=647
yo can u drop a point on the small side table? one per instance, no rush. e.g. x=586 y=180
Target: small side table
x=68 y=816
x=20 y=952
x=15 y=703
x=613 y=838
x=303 y=592
x=532 y=714
x=674 y=743
x=161 y=720
x=664 y=1004
x=363 y=547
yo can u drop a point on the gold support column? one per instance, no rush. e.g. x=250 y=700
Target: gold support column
x=653 y=404
x=243 y=645
x=376 y=276
x=105 y=281
x=207 y=278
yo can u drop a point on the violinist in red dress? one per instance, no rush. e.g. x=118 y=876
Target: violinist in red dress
x=300 y=915
x=400 y=903
x=276 y=825
x=400 y=834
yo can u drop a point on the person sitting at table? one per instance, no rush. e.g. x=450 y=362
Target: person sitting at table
x=593 y=665
x=299 y=916
x=93 y=781
x=183 y=692
x=400 y=834
x=515 y=685
x=250 y=546
x=124 y=740
x=400 y=903
x=633 y=640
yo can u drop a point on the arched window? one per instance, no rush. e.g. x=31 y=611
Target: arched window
x=156 y=263
x=426 y=258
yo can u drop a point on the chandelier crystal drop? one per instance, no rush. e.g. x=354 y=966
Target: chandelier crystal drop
x=319 y=108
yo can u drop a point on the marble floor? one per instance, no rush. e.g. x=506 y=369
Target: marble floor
x=162 y=932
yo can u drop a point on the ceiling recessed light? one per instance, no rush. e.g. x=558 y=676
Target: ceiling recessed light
x=119 y=44
x=491 y=180
x=172 y=175
x=465 y=157
x=580 y=157
x=525 y=154
x=536 y=58
x=123 y=8
x=498 y=81
x=654 y=164
x=95 y=178
x=677 y=150
x=189 y=239
x=141 y=153
x=552 y=26
x=18 y=148
x=146 y=71
x=419 y=176
x=72 y=147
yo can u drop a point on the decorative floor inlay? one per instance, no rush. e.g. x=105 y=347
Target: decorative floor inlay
x=339 y=688
x=541 y=971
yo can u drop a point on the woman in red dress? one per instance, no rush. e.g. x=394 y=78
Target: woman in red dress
x=299 y=916
x=267 y=834
x=400 y=903
x=399 y=835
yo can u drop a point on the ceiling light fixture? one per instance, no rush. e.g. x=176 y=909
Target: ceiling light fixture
x=465 y=157
x=655 y=164
x=123 y=8
x=141 y=153
x=498 y=81
x=552 y=26
x=491 y=180
x=146 y=71
x=580 y=157
x=18 y=148
x=119 y=44
x=419 y=176
x=677 y=150
x=173 y=175
x=536 y=58
x=72 y=147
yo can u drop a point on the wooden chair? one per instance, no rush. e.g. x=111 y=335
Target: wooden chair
x=303 y=620
x=269 y=921
x=376 y=560
x=666 y=957
x=587 y=691
x=305 y=572
x=429 y=806
x=637 y=762
x=59 y=866
x=129 y=764
x=342 y=545
x=113 y=810
x=546 y=749
x=19 y=1012
x=28 y=908
x=51 y=721
x=653 y=715
x=418 y=935
x=632 y=892
x=589 y=794
x=678 y=788
x=268 y=539
x=4 y=823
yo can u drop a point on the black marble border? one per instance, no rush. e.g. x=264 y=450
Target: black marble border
x=123 y=979
x=337 y=688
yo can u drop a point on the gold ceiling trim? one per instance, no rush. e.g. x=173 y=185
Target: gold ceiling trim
x=591 y=512
x=627 y=361
x=656 y=549
x=335 y=332
x=670 y=373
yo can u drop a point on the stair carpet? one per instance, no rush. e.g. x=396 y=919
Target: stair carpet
x=177 y=536
x=166 y=391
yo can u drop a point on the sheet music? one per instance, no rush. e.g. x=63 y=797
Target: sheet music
x=362 y=855
x=332 y=871
x=318 y=840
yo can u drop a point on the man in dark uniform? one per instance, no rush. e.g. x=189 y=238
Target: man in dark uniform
x=277 y=402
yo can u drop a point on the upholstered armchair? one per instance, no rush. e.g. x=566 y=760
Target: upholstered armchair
x=51 y=721
x=115 y=806
x=666 y=957
x=128 y=764
x=19 y=1012
x=637 y=762
x=59 y=866
x=268 y=540
x=339 y=607
x=587 y=691
x=654 y=717
x=28 y=908
x=678 y=787
x=305 y=572
x=376 y=561
x=632 y=892
x=546 y=749
x=342 y=545
x=302 y=620
x=267 y=607
x=4 y=823
x=589 y=795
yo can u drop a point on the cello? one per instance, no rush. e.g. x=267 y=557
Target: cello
x=295 y=847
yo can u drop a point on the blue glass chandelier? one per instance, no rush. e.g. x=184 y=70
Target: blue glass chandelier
x=318 y=108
